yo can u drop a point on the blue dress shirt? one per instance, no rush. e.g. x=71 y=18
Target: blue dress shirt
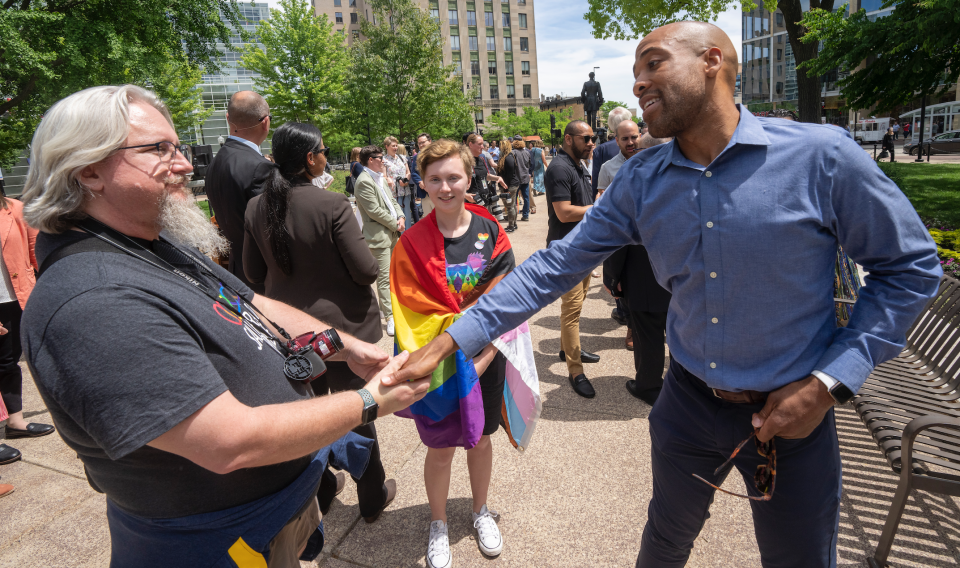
x=747 y=247
x=247 y=142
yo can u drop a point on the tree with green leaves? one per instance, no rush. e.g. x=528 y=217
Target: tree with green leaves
x=608 y=106
x=178 y=86
x=52 y=48
x=630 y=19
x=910 y=51
x=397 y=83
x=302 y=65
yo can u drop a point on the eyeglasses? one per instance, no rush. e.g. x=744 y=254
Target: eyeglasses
x=167 y=150
x=589 y=139
x=380 y=157
x=259 y=120
x=324 y=151
x=765 y=479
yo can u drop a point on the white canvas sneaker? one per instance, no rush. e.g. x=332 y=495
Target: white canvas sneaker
x=438 y=551
x=488 y=533
x=390 y=327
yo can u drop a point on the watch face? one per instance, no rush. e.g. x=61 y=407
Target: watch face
x=841 y=393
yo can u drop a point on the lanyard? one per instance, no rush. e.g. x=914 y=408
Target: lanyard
x=110 y=236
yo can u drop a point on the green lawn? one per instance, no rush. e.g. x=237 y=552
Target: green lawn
x=339 y=181
x=934 y=189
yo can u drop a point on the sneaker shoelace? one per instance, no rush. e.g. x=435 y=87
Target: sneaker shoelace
x=439 y=543
x=485 y=523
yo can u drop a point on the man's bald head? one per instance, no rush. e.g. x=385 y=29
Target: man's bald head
x=698 y=38
x=246 y=109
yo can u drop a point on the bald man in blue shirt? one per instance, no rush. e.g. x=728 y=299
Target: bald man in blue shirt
x=741 y=217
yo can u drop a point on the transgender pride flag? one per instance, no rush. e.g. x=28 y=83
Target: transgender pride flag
x=452 y=412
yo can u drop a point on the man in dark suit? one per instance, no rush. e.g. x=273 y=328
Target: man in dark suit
x=607 y=150
x=238 y=171
x=627 y=274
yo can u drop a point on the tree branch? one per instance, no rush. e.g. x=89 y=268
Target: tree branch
x=25 y=92
x=9 y=4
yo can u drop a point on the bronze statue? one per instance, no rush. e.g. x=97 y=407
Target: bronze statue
x=592 y=98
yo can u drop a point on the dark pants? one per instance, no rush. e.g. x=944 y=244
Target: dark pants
x=648 y=354
x=889 y=148
x=414 y=213
x=11 y=379
x=370 y=490
x=525 y=192
x=692 y=431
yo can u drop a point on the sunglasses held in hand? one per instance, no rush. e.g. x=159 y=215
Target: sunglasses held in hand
x=765 y=479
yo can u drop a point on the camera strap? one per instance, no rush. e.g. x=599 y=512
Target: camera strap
x=114 y=238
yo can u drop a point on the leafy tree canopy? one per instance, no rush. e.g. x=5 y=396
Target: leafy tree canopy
x=302 y=65
x=177 y=85
x=50 y=49
x=608 y=106
x=906 y=52
x=397 y=83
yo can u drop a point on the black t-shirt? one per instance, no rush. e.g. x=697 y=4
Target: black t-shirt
x=565 y=180
x=478 y=183
x=122 y=351
x=468 y=256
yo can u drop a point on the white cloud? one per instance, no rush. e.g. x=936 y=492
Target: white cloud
x=567 y=52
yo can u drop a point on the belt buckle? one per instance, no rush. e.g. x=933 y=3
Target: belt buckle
x=715 y=394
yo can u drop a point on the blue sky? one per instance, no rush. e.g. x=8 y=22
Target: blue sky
x=566 y=51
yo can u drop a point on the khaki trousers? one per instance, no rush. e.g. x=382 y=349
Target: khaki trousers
x=286 y=547
x=570 y=305
x=383 y=279
x=426 y=204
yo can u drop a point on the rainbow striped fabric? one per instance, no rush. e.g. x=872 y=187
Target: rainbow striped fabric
x=451 y=414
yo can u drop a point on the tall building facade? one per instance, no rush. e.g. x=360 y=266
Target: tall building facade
x=492 y=44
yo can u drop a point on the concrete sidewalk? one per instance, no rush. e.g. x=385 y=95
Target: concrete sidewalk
x=577 y=497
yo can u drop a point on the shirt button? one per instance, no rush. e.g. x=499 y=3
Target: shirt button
x=708 y=174
x=709 y=224
x=713 y=365
x=715 y=320
x=713 y=275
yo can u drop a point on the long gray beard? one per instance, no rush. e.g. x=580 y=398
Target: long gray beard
x=186 y=224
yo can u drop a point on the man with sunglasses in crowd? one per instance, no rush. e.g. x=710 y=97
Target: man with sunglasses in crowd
x=569 y=196
x=237 y=172
x=177 y=386
x=742 y=217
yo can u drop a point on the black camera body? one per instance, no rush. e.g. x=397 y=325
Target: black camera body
x=403 y=181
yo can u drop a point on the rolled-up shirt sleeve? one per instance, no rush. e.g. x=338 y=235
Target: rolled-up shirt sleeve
x=879 y=229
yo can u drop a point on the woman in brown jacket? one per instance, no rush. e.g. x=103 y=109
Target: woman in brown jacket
x=16 y=282
x=304 y=243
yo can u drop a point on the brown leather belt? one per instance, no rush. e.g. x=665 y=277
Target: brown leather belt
x=741 y=397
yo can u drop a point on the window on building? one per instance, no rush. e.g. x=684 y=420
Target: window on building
x=488 y=19
x=356 y=34
x=511 y=92
x=492 y=67
x=454 y=18
x=494 y=92
x=474 y=44
x=340 y=31
x=471 y=17
x=524 y=67
x=508 y=67
x=478 y=116
x=457 y=68
x=339 y=17
x=512 y=111
x=491 y=43
x=521 y=2
x=780 y=38
x=353 y=3
x=507 y=44
x=523 y=20
x=435 y=13
x=353 y=17
x=779 y=55
x=779 y=88
x=475 y=68
x=455 y=43
x=780 y=19
x=506 y=19
x=526 y=91
x=494 y=111
x=524 y=44
x=779 y=70
x=336 y=3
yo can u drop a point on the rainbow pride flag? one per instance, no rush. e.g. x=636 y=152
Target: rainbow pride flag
x=423 y=307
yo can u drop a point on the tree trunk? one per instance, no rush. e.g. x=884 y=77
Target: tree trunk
x=808 y=86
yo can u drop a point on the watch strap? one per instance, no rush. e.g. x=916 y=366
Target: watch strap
x=370 y=407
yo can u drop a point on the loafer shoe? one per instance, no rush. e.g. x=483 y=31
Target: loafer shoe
x=648 y=396
x=585 y=357
x=341 y=482
x=32 y=431
x=629 y=340
x=5 y=489
x=391 y=485
x=619 y=317
x=524 y=218
x=581 y=385
x=8 y=454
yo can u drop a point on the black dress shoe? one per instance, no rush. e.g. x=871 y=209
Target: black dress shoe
x=585 y=357
x=619 y=317
x=32 y=431
x=581 y=385
x=8 y=454
x=648 y=396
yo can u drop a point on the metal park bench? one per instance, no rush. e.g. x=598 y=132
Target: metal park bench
x=911 y=405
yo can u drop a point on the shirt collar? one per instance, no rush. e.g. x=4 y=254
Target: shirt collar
x=576 y=163
x=247 y=142
x=749 y=132
x=376 y=176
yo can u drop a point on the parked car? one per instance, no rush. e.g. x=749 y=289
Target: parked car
x=946 y=143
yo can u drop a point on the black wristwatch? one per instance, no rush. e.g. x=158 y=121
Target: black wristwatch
x=841 y=393
x=370 y=407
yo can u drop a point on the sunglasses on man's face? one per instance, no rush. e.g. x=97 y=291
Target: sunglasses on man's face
x=588 y=139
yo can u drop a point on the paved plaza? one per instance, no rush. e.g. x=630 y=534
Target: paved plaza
x=577 y=497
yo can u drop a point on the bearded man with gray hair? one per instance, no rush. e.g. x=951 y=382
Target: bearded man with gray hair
x=177 y=386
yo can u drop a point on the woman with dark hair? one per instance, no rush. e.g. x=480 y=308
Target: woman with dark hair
x=305 y=245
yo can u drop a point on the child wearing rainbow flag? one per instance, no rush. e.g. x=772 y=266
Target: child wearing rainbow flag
x=440 y=267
